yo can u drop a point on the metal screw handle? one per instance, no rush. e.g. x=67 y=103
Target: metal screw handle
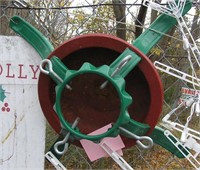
x=116 y=71
x=64 y=141
x=139 y=139
x=50 y=70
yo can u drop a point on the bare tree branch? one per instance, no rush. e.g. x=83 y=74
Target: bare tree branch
x=120 y=15
x=140 y=20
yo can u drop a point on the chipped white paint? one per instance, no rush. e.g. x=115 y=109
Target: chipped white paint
x=22 y=125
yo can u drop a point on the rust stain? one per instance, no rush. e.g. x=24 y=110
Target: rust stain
x=12 y=129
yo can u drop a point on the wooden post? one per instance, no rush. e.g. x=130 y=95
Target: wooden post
x=22 y=124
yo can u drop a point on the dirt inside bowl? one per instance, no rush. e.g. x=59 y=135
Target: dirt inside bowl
x=90 y=103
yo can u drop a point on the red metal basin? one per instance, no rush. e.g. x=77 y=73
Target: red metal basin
x=142 y=83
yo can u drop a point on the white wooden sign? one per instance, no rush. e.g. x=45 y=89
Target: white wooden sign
x=22 y=124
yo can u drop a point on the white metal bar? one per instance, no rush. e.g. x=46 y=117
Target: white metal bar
x=54 y=161
x=190 y=132
x=158 y=7
x=116 y=157
x=191 y=158
x=177 y=73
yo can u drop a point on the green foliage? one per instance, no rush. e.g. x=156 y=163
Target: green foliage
x=100 y=20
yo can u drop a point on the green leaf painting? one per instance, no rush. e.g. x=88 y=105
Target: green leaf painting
x=2 y=94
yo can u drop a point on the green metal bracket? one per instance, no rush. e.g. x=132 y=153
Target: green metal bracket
x=130 y=64
x=136 y=128
x=159 y=138
x=149 y=38
x=119 y=84
x=34 y=37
